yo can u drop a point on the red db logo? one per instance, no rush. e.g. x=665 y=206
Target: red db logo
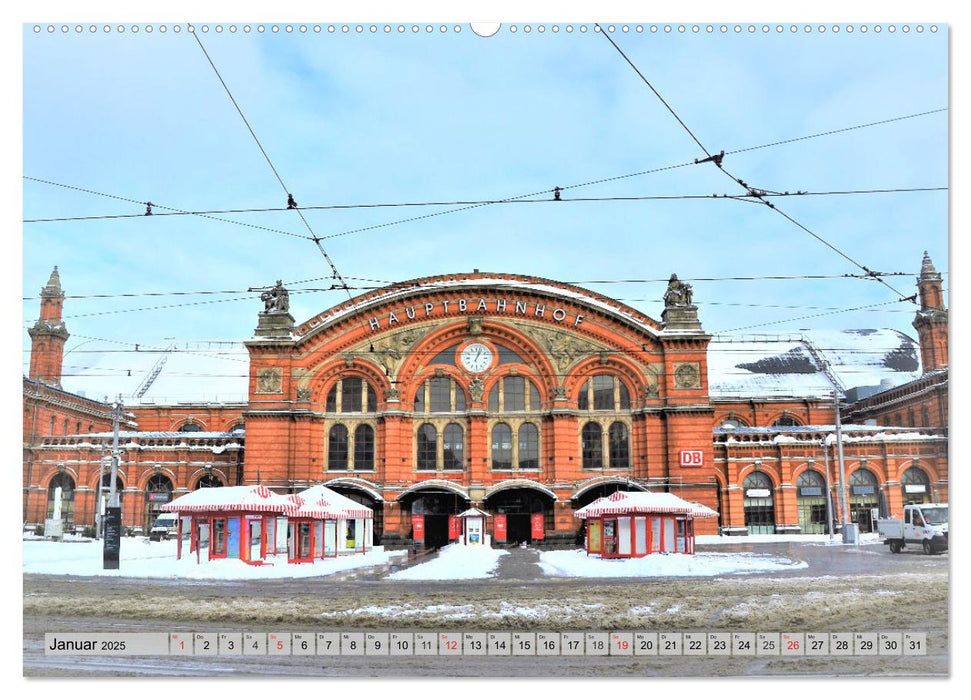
x=692 y=458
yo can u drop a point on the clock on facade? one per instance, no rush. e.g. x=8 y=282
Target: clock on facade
x=476 y=357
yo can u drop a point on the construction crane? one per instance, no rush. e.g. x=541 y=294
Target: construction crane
x=153 y=374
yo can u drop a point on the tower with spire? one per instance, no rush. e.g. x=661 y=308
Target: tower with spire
x=931 y=319
x=49 y=334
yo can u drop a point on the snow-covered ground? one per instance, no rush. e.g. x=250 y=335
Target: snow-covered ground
x=578 y=563
x=454 y=562
x=141 y=558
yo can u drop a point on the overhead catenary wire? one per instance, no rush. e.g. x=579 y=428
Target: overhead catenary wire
x=752 y=192
x=291 y=204
x=546 y=200
x=207 y=292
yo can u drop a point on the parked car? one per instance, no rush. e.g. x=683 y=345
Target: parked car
x=166 y=526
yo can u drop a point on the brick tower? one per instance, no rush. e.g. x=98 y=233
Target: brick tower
x=931 y=319
x=49 y=334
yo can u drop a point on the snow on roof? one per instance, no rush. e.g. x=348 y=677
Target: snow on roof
x=622 y=502
x=321 y=502
x=245 y=499
x=211 y=371
x=474 y=513
x=781 y=365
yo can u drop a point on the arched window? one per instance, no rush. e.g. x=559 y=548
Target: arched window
x=238 y=430
x=440 y=395
x=514 y=394
x=337 y=448
x=528 y=446
x=453 y=447
x=603 y=392
x=427 y=447
x=209 y=482
x=811 y=501
x=502 y=447
x=190 y=428
x=364 y=447
x=916 y=486
x=785 y=421
x=351 y=395
x=731 y=424
x=758 y=504
x=60 y=495
x=619 y=446
x=592 y=446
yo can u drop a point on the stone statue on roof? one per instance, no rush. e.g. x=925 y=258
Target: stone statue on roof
x=276 y=300
x=678 y=293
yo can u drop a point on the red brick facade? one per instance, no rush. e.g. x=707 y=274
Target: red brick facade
x=517 y=395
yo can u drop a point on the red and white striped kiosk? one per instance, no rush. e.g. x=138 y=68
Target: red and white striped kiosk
x=230 y=522
x=635 y=524
x=327 y=524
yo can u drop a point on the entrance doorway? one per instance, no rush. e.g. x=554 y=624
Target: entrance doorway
x=434 y=507
x=522 y=507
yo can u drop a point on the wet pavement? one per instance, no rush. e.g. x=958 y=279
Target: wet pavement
x=519 y=564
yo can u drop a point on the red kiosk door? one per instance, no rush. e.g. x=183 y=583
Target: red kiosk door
x=499 y=523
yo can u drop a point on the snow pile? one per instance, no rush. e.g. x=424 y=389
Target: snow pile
x=456 y=561
x=578 y=564
x=141 y=558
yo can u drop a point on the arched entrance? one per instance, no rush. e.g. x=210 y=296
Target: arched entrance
x=60 y=500
x=427 y=510
x=863 y=498
x=158 y=492
x=586 y=496
x=811 y=501
x=528 y=513
x=759 y=506
x=360 y=495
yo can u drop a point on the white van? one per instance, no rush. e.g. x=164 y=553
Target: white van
x=166 y=526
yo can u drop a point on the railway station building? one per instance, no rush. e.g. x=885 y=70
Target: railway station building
x=523 y=397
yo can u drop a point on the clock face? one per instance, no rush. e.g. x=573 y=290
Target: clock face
x=476 y=357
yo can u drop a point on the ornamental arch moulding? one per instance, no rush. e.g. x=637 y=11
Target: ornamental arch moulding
x=320 y=381
x=149 y=471
x=633 y=377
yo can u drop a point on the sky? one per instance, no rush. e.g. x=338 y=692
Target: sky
x=117 y=119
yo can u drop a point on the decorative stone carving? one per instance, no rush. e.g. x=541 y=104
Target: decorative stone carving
x=564 y=349
x=650 y=391
x=276 y=300
x=392 y=394
x=476 y=390
x=269 y=380
x=687 y=375
x=391 y=350
x=475 y=325
x=678 y=293
x=303 y=394
x=559 y=393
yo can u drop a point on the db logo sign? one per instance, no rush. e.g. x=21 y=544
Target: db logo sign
x=692 y=458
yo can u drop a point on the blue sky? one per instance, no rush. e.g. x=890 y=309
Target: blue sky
x=365 y=118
